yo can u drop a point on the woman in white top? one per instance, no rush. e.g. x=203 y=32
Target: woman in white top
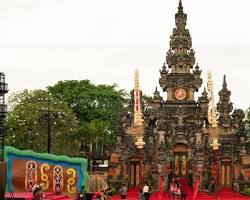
x=171 y=190
x=146 y=191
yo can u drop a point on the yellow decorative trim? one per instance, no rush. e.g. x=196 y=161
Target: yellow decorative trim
x=71 y=181
x=176 y=165
x=44 y=176
x=184 y=165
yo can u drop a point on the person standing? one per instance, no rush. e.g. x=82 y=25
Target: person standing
x=183 y=194
x=178 y=184
x=190 y=178
x=171 y=190
x=141 y=195
x=146 y=191
x=123 y=192
x=170 y=178
x=82 y=195
x=108 y=193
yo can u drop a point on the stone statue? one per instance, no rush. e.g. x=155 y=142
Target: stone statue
x=161 y=137
x=198 y=139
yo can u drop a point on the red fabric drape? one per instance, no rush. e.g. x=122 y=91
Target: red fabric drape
x=196 y=187
x=161 y=188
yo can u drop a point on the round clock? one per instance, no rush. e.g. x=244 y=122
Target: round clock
x=180 y=94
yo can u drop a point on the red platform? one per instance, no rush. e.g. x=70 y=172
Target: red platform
x=133 y=194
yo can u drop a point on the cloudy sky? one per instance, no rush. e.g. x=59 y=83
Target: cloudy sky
x=44 y=41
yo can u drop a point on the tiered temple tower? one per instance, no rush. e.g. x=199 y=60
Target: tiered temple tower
x=177 y=131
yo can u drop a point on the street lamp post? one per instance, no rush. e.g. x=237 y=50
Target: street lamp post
x=49 y=115
x=3 y=111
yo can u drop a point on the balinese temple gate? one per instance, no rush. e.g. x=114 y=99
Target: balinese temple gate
x=194 y=138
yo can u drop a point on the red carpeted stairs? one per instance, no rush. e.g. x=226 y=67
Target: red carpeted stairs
x=227 y=194
x=133 y=194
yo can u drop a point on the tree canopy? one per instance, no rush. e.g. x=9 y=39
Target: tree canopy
x=96 y=106
x=27 y=123
x=77 y=111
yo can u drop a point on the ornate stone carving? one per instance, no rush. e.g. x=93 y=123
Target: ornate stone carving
x=224 y=105
x=186 y=121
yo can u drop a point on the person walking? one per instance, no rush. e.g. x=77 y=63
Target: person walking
x=82 y=194
x=170 y=178
x=183 y=194
x=123 y=192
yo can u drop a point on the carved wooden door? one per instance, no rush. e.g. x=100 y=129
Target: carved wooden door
x=226 y=174
x=180 y=164
x=134 y=174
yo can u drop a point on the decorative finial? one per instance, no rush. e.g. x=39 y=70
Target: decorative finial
x=164 y=66
x=197 y=66
x=224 y=82
x=164 y=71
x=204 y=93
x=180 y=7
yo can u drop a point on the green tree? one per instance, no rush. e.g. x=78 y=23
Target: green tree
x=93 y=105
x=32 y=113
x=95 y=132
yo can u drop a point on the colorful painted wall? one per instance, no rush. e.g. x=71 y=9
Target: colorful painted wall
x=59 y=174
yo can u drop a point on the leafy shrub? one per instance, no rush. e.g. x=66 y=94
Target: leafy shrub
x=247 y=191
x=113 y=190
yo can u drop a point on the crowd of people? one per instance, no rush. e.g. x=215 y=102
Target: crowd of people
x=176 y=190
